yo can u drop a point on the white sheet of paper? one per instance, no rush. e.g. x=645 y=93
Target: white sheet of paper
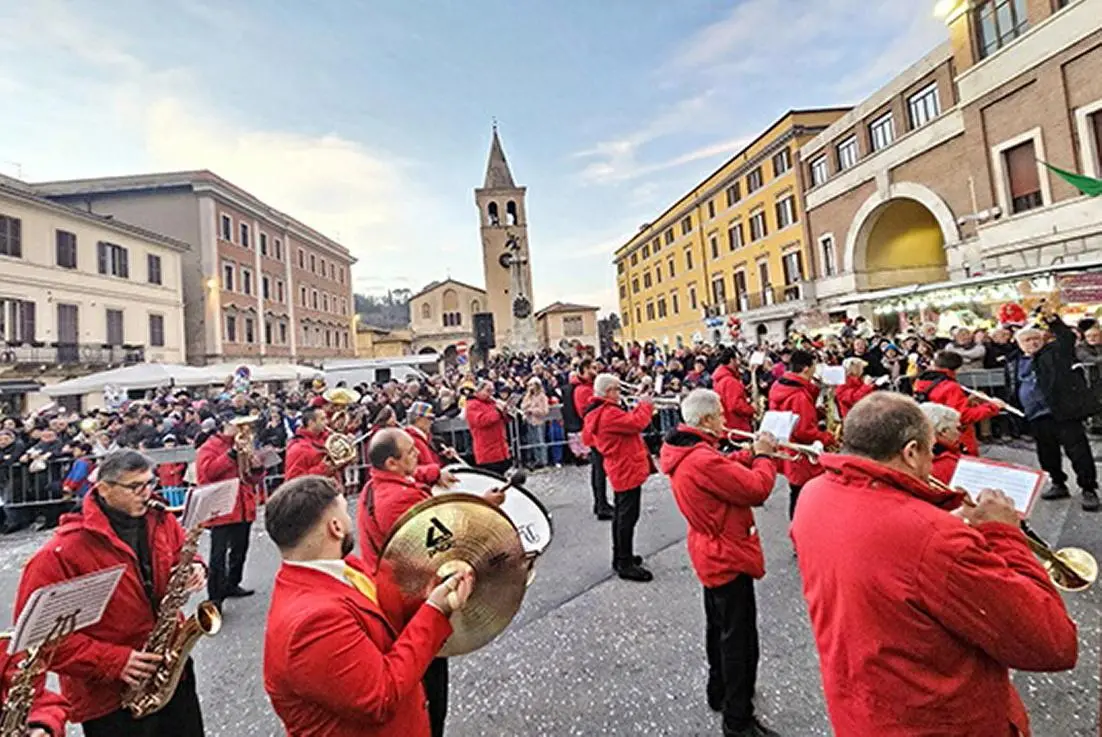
x=268 y=457
x=83 y=599
x=757 y=358
x=779 y=424
x=1018 y=482
x=834 y=375
x=659 y=380
x=204 y=503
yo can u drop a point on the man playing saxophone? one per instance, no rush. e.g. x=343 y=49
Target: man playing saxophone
x=48 y=710
x=97 y=665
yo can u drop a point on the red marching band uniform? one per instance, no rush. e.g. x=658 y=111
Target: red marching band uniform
x=941 y=386
x=49 y=710
x=213 y=463
x=429 y=463
x=617 y=436
x=738 y=412
x=794 y=393
x=306 y=456
x=385 y=498
x=487 y=425
x=90 y=662
x=853 y=391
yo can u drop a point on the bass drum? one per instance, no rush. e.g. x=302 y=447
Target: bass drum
x=526 y=512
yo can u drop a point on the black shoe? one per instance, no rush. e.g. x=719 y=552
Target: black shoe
x=1090 y=501
x=635 y=572
x=605 y=515
x=715 y=696
x=239 y=593
x=753 y=729
x=637 y=560
x=1056 y=491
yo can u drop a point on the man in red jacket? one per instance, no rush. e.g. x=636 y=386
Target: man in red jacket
x=939 y=384
x=716 y=494
x=486 y=420
x=220 y=459
x=583 y=400
x=795 y=392
x=947 y=447
x=337 y=662
x=430 y=464
x=857 y=386
x=48 y=710
x=617 y=434
x=917 y=613
x=306 y=454
x=738 y=412
x=97 y=664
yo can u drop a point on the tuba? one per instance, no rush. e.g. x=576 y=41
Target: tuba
x=341 y=398
x=171 y=638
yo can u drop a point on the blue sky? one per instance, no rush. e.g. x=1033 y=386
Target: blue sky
x=370 y=119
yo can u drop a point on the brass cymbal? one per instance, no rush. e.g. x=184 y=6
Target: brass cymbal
x=439 y=535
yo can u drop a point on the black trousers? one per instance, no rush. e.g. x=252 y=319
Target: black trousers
x=793 y=497
x=1050 y=435
x=498 y=467
x=181 y=717
x=229 y=544
x=436 y=692
x=731 y=633
x=625 y=515
x=598 y=481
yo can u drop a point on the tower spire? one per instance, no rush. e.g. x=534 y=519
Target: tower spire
x=498 y=175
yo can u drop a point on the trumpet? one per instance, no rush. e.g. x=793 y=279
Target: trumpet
x=988 y=398
x=1069 y=569
x=796 y=450
x=633 y=400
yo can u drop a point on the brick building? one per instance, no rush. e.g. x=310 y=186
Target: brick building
x=258 y=284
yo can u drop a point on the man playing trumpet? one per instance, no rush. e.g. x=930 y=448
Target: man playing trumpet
x=716 y=494
x=306 y=454
x=486 y=417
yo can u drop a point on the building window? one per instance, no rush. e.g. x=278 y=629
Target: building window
x=766 y=287
x=265 y=287
x=113 y=260
x=322 y=263
x=1096 y=129
x=247 y=281
x=302 y=296
x=231 y=329
x=635 y=285
x=687 y=225
x=246 y=241
x=793 y=265
x=826 y=245
x=669 y=267
x=714 y=243
x=620 y=267
x=673 y=303
x=426 y=311
x=264 y=252
x=658 y=273
x=646 y=280
x=669 y=236
x=650 y=310
x=17 y=323
x=711 y=209
x=325 y=303
x=268 y=332
x=882 y=132
x=313 y=264
x=314 y=298
x=734 y=194
x=786 y=212
x=656 y=245
x=623 y=292
x=278 y=249
x=228 y=271
x=998 y=22
x=1023 y=179
x=661 y=307
x=782 y=162
x=754 y=180
x=332 y=274
x=635 y=259
x=572 y=326
x=847 y=153
x=227 y=228
x=301 y=259
x=66 y=249
x=283 y=333
x=646 y=252
x=153 y=268
x=250 y=335
x=758 y=228
x=688 y=259
x=157 y=331
x=924 y=106
x=11 y=236
x=734 y=236
x=819 y=171
x=741 y=293
x=692 y=298
x=719 y=291
x=115 y=334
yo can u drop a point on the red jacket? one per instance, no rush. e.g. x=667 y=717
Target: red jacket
x=428 y=462
x=947 y=391
x=617 y=436
x=306 y=455
x=738 y=412
x=945 y=462
x=170 y=475
x=715 y=494
x=793 y=393
x=917 y=616
x=853 y=391
x=90 y=662
x=385 y=497
x=49 y=710
x=583 y=394
x=335 y=664
x=487 y=426
x=214 y=462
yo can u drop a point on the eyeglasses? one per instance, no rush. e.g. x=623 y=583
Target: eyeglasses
x=136 y=486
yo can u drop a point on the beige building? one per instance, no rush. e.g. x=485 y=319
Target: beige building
x=442 y=317
x=939 y=176
x=80 y=292
x=259 y=285
x=562 y=323
x=376 y=342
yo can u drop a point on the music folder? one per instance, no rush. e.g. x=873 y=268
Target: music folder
x=1021 y=483
x=80 y=600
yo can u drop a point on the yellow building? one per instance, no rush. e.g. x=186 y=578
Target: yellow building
x=375 y=342
x=735 y=245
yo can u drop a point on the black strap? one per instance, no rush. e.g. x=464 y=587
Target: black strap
x=924 y=395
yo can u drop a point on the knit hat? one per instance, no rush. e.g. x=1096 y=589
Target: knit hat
x=417 y=410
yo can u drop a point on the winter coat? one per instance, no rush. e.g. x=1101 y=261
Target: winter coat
x=487 y=425
x=794 y=393
x=1064 y=389
x=738 y=412
x=617 y=436
x=853 y=391
x=217 y=461
x=941 y=386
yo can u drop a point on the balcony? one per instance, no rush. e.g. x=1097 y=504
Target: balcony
x=773 y=301
x=15 y=352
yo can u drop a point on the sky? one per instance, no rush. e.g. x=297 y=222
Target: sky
x=370 y=120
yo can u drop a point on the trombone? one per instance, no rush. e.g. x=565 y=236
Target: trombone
x=1070 y=569
x=796 y=450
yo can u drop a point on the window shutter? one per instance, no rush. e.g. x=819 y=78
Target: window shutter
x=124 y=263
x=28 y=326
x=1021 y=167
x=101 y=257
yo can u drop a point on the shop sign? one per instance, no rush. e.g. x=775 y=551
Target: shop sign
x=1081 y=288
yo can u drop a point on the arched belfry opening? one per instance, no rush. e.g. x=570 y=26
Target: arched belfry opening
x=511 y=213
x=492 y=216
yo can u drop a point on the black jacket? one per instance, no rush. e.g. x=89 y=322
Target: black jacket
x=571 y=422
x=1064 y=389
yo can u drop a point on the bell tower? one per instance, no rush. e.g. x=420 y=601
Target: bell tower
x=506 y=263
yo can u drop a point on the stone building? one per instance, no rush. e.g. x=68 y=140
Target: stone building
x=563 y=324
x=442 y=317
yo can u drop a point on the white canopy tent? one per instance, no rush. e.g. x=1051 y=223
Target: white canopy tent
x=138 y=376
x=267 y=372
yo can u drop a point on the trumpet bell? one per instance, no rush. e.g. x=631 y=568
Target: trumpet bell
x=448 y=533
x=340 y=448
x=1077 y=569
x=341 y=396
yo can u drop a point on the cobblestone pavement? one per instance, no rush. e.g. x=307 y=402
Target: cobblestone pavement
x=592 y=655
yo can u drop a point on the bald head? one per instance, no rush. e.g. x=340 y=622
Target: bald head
x=885 y=426
x=391 y=449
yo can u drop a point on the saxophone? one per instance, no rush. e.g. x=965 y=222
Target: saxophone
x=172 y=639
x=21 y=694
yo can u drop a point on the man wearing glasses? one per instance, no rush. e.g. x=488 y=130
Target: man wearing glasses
x=96 y=665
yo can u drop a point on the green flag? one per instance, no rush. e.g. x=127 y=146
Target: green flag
x=1086 y=185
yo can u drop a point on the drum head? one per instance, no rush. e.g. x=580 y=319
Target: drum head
x=526 y=512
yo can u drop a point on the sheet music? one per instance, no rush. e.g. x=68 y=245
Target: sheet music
x=779 y=424
x=268 y=457
x=834 y=375
x=1018 y=482
x=204 y=503
x=83 y=599
x=659 y=380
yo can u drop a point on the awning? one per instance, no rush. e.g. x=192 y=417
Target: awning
x=19 y=386
x=912 y=290
x=138 y=376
